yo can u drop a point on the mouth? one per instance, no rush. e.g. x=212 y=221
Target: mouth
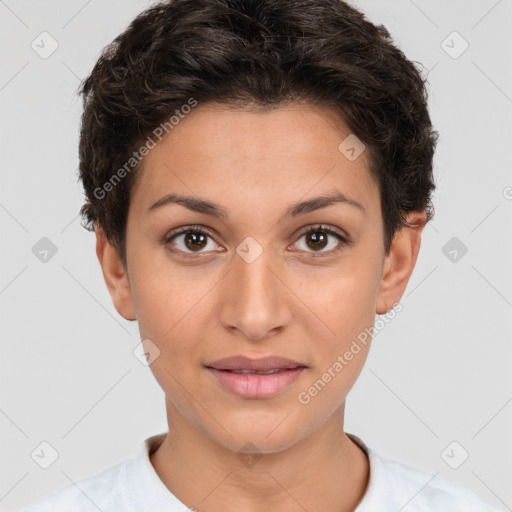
x=255 y=378
x=257 y=372
x=247 y=364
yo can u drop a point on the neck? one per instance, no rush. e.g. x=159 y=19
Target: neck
x=325 y=470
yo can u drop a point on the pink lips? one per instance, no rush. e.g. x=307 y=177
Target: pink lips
x=237 y=375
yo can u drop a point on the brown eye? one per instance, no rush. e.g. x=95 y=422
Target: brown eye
x=195 y=241
x=191 y=240
x=318 y=238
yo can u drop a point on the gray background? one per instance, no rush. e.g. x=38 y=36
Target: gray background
x=438 y=373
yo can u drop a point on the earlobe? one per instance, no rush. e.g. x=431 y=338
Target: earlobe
x=115 y=275
x=400 y=262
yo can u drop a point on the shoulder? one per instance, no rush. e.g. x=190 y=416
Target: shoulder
x=106 y=490
x=395 y=486
x=418 y=490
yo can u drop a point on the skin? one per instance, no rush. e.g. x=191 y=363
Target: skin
x=296 y=300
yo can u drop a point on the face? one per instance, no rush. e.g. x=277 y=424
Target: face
x=220 y=263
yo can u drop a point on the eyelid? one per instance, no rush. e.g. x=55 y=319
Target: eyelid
x=326 y=228
x=186 y=229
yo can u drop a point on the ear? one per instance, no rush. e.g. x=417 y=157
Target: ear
x=115 y=275
x=399 y=263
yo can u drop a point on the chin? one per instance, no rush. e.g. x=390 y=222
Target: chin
x=257 y=436
x=256 y=444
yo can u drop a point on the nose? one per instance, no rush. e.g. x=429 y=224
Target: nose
x=254 y=301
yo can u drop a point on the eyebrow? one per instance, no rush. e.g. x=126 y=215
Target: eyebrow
x=209 y=208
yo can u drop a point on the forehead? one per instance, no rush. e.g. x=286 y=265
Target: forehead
x=248 y=157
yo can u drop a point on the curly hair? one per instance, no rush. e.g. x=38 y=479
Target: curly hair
x=258 y=54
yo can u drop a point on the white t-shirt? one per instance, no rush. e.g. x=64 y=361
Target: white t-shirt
x=134 y=486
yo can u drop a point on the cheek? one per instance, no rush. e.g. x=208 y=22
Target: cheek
x=169 y=301
x=345 y=298
x=348 y=309
x=171 y=314
x=345 y=303
x=173 y=311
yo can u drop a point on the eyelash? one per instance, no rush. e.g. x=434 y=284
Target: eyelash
x=198 y=230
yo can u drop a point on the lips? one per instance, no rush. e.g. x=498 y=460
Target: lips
x=255 y=378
